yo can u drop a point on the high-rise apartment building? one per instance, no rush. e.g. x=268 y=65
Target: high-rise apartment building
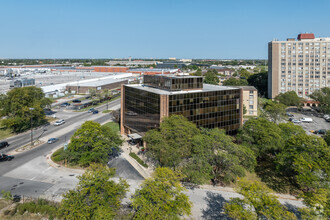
x=301 y=65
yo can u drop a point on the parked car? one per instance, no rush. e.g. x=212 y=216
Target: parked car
x=52 y=140
x=3 y=144
x=59 y=122
x=95 y=111
x=289 y=115
x=76 y=101
x=327 y=120
x=296 y=121
x=307 y=120
x=5 y=157
x=91 y=110
x=326 y=117
x=65 y=104
x=321 y=131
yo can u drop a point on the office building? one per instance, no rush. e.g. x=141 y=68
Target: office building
x=301 y=65
x=144 y=106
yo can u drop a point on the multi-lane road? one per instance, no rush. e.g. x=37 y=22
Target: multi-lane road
x=63 y=132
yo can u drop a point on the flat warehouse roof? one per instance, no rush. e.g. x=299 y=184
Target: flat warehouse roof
x=206 y=88
x=100 y=82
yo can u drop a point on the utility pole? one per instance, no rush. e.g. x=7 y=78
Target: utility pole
x=31 y=109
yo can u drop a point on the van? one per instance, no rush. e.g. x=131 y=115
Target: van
x=307 y=120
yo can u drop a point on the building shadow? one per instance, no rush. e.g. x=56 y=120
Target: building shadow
x=215 y=207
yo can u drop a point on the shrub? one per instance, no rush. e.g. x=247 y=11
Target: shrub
x=138 y=159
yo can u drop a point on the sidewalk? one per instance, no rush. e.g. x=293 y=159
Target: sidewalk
x=127 y=148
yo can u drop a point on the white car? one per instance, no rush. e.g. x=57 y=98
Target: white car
x=296 y=121
x=59 y=122
x=308 y=120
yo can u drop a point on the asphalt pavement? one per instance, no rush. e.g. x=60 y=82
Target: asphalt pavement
x=61 y=132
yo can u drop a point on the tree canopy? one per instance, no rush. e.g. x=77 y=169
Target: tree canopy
x=258 y=203
x=262 y=136
x=95 y=197
x=289 y=99
x=275 y=111
x=323 y=97
x=260 y=82
x=200 y=155
x=23 y=105
x=305 y=161
x=235 y=82
x=92 y=143
x=161 y=197
x=327 y=137
x=211 y=78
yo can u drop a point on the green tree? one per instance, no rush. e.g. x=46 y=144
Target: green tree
x=323 y=97
x=327 y=137
x=304 y=161
x=244 y=110
x=161 y=197
x=258 y=203
x=235 y=82
x=262 y=136
x=244 y=73
x=198 y=72
x=289 y=129
x=260 y=82
x=318 y=205
x=211 y=78
x=173 y=142
x=92 y=143
x=289 y=99
x=23 y=106
x=275 y=111
x=227 y=159
x=95 y=197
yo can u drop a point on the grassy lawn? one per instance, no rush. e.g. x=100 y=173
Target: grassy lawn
x=113 y=125
x=4 y=132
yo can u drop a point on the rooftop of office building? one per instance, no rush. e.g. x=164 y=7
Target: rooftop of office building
x=206 y=88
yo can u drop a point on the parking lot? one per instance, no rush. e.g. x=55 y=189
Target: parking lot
x=317 y=124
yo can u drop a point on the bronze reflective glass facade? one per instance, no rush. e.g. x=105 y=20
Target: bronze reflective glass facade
x=173 y=83
x=142 y=109
x=209 y=109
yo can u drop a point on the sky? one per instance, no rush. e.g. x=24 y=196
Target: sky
x=200 y=29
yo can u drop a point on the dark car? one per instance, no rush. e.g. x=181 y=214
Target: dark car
x=91 y=110
x=95 y=111
x=289 y=115
x=65 y=104
x=52 y=140
x=321 y=131
x=3 y=144
x=5 y=157
x=76 y=101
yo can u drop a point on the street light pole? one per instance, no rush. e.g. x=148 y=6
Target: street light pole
x=31 y=109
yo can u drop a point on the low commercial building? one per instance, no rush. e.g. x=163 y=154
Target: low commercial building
x=152 y=71
x=144 y=106
x=86 y=87
x=250 y=100
x=111 y=69
x=223 y=70
x=171 y=65
x=22 y=83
